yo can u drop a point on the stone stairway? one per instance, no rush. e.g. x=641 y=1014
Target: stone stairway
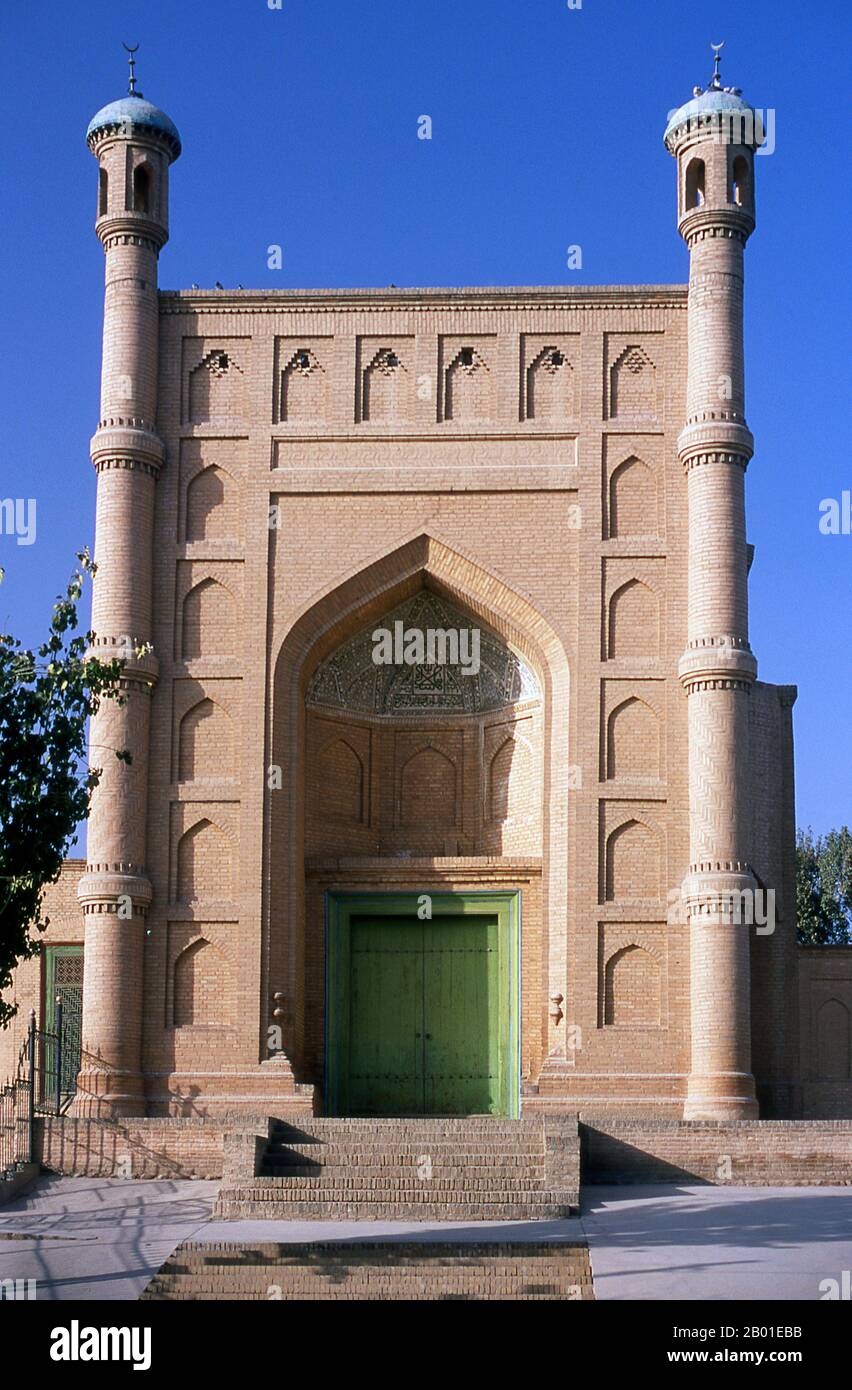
x=531 y=1270
x=475 y=1168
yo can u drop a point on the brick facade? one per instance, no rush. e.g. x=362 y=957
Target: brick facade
x=281 y=471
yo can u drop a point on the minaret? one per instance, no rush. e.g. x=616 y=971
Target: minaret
x=713 y=137
x=134 y=144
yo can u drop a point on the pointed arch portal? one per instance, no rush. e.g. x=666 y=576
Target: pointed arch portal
x=406 y=691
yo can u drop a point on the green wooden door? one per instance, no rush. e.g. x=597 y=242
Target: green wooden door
x=424 y=1035
x=385 y=1021
x=422 y=1016
x=461 y=1036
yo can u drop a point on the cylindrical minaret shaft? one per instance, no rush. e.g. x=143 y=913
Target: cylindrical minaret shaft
x=713 y=138
x=134 y=144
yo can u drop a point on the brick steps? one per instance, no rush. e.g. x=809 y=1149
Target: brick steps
x=384 y=1131
x=391 y=1171
x=455 y=1149
x=409 y=1182
x=283 y=1193
x=473 y=1169
x=395 y=1154
x=378 y=1205
x=471 y=1147
x=408 y=1175
x=533 y=1270
x=339 y=1209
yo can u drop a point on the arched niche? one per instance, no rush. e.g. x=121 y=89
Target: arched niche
x=320 y=699
x=436 y=715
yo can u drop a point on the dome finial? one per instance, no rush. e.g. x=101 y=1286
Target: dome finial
x=131 y=63
x=717 y=58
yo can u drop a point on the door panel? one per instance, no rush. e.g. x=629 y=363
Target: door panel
x=386 y=1008
x=461 y=1045
x=424 y=1035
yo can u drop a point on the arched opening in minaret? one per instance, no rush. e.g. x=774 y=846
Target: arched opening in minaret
x=103 y=192
x=142 y=188
x=740 y=192
x=694 y=186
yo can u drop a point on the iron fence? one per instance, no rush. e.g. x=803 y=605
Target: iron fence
x=16 y=1113
x=43 y=1084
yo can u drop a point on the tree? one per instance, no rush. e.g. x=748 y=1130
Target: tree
x=45 y=789
x=824 y=887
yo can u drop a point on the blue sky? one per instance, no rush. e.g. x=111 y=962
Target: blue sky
x=299 y=127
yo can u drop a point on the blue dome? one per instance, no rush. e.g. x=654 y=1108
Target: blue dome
x=134 y=110
x=710 y=103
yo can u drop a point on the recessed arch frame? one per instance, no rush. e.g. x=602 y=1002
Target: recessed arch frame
x=353 y=601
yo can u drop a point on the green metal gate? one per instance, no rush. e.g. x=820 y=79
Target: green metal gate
x=64 y=983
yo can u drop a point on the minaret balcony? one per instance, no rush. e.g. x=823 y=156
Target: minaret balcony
x=104 y=884
x=126 y=443
x=719 y=658
x=140 y=665
x=132 y=225
x=728 y=220
x=717 y=435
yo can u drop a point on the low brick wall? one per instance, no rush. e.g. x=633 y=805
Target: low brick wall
x=746 y=1153
x=143 y=1148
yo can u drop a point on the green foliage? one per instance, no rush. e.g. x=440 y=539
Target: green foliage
x=824 y=887
x=46 y=699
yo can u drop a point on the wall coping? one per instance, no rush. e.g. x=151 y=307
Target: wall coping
x=788 y=1127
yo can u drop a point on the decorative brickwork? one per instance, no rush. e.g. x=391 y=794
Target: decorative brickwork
x=303 y=387
x=550 y=389
x=215 y=389
x=633 y=384
x=387 y=386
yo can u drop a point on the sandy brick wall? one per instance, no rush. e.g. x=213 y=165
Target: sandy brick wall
x=168 y=1148
x=65 y=928
x=825 y=1009
x=746 y=1153
x=502 y=444
x=308 y=487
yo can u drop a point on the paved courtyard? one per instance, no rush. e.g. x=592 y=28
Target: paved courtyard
x=717 y=1243
x=104 y=1238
